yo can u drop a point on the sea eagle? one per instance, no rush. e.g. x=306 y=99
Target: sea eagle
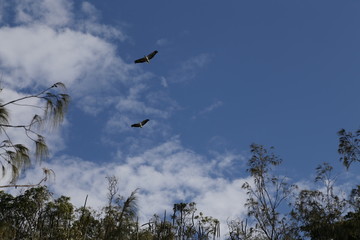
x=146 y=58
x=140 y=124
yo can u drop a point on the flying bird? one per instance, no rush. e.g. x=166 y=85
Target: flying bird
x=140 y=124
x=146 y=58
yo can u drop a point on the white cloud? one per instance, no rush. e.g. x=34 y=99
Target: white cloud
x=90 y=11
x=226 y=160
x=50 y=44
x=42 y=55
x=90 y=24
x=56 y=13
x=226 y=201
x=137 y=105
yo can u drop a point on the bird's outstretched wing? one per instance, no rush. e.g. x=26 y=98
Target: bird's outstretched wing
x=140 y=60
x=136 y=125
x=151 y=55
x=144 y=122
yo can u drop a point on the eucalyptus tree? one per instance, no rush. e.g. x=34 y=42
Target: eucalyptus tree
x=57 y=219
x=349 y=147
x=240 y=230
x=266 y=195
x=22 y=215
x=120 y=221
x=34 y=214
x=87 y=224
x=157 y=227
x=187 y=224
x=14 y=157
x=320 y=213
x=352 y=219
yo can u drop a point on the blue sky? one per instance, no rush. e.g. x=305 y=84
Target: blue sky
x=277 y=73
x=280 y=73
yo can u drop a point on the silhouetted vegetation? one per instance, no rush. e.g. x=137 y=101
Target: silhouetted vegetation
x=276 y=210
x=349 y=147
x=36 y=215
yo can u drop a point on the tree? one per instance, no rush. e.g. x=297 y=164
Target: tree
x=33 y=215
x=37 y=214
x=189 y=225
x=320 y=214
x=352 y=218
x=22 y=214
x=349 y=147
x=121 y=213
x=240 y=230
x=16 y=156
x=265 y=196
x=157 y=228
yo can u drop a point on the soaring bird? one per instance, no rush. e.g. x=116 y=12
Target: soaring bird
x=140 y=124
x=146 y=58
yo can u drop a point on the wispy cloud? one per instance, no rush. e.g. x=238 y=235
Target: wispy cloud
x=162 y=42
x=89 y=23
x=3 y=5
x=60 y=14
x=189 y=68
x=209 y=109
x=52 y=13
x=137 y=104
x=164 y=82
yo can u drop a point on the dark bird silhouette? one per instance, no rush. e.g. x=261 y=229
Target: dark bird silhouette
x=146 y=58
x=140 y=124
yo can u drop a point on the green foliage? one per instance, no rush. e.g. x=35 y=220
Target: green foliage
x=239 y=229
x=355 y=198
x=36 y=215
x=349 y=148
x=320 y=214
x=158 y=228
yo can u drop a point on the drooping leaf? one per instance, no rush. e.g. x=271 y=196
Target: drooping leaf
x=41 y=149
